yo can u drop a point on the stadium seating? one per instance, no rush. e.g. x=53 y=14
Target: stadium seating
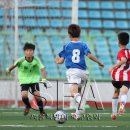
x=45 y=24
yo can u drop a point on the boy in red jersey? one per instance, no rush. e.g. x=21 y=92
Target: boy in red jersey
x=120 y=73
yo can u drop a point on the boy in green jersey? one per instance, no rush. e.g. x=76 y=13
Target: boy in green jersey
x=29 y=76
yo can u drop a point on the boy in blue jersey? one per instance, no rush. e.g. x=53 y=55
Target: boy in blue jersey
x=73 y=54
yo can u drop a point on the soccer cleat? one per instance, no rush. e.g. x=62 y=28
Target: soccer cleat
x=75 y=116
x=121 y=109
x=114 y=116
x=43 y=115
x=26 y=111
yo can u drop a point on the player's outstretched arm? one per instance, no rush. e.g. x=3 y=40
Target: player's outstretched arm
x=123 y=61
x=43 y=72
x=59 y=60
x=9 y=69
x=93 y=58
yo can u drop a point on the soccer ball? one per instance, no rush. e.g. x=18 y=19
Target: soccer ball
x=60 y=117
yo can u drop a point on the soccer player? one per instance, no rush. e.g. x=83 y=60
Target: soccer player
x=120 y=73
x=29 y=76
x=73 y=54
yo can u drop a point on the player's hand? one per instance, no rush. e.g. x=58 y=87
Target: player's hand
x=44 y=82
x=101 y=64
x=8 y=70
x=110 y=69
x=57 y=60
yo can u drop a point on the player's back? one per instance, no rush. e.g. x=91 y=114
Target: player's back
x=74 y=54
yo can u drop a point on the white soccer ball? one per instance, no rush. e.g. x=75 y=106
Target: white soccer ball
x=60 y=117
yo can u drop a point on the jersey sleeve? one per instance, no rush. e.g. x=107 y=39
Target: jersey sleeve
x=121 y=54
x=62 y=53
x=40 y=65
x=86 y=49
x=19 y=61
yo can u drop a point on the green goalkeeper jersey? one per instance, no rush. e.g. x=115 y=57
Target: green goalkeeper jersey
x=28 y=72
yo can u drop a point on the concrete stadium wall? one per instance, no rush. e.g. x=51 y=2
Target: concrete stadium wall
x=7 y=91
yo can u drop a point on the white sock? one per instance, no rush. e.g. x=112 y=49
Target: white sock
x=114 y=105
x=77 y=98
x=123 y=99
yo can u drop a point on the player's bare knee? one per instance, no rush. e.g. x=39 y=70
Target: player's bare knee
x=24 y=95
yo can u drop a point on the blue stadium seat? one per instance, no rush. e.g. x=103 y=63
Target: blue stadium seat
x=96 y=72
x=95 y=24
x=56 y=23
x=11 y=13
x=100 y=41
x=22 y=31
x=113 y=40
x=66 y=4
x=1 y=21
x=93 y=5
x=122 y=24
x=108 y=24
x=83 y=23
x=1 y=40
x=42 y=39
x=66 y=22
x=82 y=4
x=43 y=23
x=42 y=3
x=54 y=13
x=27 y=38
x=94 y=14
x=1 y=12
x=63 y=32
x=53 y=4
x=128 y=15
x=102 y=50
x=37 y=31
x=55 y=40
x=30 y=22
x=66 y=13
x=119 y=5
x=109 y=33
x=28 y=13
x=20 y=22
x=107 y=14
x=52 y=32
x=120 y=15
x=106 y=5
x=94 y=32
x=41 y=13
x=128 y=5
x=82 y=14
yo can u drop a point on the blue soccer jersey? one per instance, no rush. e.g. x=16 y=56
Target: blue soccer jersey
x=74 y=53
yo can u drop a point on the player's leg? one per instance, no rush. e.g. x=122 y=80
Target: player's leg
x=117 y=85
x=123 y=99
x=25 y=99
x=36 y=91
x=74 y=78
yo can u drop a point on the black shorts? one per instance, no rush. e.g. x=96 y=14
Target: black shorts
x=33 y=87
x=119 y=84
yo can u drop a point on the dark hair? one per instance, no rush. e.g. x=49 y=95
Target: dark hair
x=74 y=30
x=29 y=46
x=123 y=38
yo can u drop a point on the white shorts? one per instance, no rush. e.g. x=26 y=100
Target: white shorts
x=77 y=76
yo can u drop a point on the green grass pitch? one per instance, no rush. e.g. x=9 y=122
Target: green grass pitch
x=13 y=119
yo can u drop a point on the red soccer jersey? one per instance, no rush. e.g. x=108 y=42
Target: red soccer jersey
x=122 y=73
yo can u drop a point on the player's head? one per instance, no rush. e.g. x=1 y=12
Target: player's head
x=123 y=38
x=74 y=31
x=29 y=49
